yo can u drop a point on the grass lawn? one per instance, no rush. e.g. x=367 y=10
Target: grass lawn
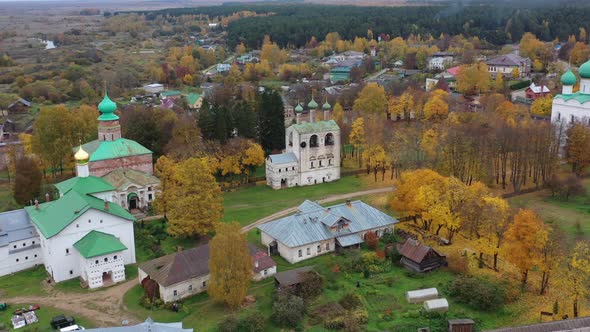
x=23 y=283
x=572 y=216
x=45 y=314
x=381 y=293
x=248 y=205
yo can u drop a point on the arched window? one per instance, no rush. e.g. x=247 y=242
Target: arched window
x=291 y=139
x=313 y=141
x=329 y=139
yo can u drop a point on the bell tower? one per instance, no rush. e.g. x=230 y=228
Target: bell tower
x=109 y=128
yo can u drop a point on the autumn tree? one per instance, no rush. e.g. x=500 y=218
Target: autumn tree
x=473 y=79
x=436 y=108
x=338 y=114
x=186 y=140
x=374 y=157
x=404 y=197
x=357 y=136
x=493 y=220
x=230 y=265
x=27 y=180
x=578 y=274
x=525 y=239
x=190 y=196
x=253 y=157
x=577 y=149
x=371 y=100
x=402 y=106
x=542 y=106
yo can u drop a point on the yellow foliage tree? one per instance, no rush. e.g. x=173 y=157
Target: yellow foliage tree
x=188 y=79
x=578 y=147
x=402 y=107
x=357 y=136
x=515 y=73
x=473 y=79
x=436 y=108
x=253 y=157
x=230 y=265
x=525 y=239
x=499 y=82
x=374 y=157
x=542 y=106
x=371 y=100
x=429 y=142
x=578 y=274
x=190 y=196
x=338 y=114
x=404 y=197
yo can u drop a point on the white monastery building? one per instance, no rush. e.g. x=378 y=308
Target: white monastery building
x=570 y=107
x=312 y=154
x=86 y=232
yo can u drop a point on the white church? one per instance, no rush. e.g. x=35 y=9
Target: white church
x=84 y=233
x=312 y=154
x=569 y=107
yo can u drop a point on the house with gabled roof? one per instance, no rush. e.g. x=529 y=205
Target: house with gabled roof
x=186 y=273
x=315 y=230
x=419 y=257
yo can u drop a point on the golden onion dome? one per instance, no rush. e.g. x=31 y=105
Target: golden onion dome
x=81 y=155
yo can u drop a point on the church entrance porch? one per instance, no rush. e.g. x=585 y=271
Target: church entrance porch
x=107 y=278
x=133 y=201
x=283 y=183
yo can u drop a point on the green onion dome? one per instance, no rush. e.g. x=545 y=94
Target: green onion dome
x=326 y=106
x=107 y=107
x=312 y=104
x=585 y=70
x=568 y=78
x=299 y=108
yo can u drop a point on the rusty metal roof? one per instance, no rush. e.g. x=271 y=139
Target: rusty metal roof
x=567 y=325
x=174 y=268
x=414 y=250
x=293 y=277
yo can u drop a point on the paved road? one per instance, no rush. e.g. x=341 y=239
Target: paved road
x=328 y=199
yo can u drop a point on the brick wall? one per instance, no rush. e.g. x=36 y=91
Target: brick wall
x=141 y=163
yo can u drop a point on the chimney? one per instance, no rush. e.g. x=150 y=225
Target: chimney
x=36 y=204
x=256 y=263
x=47 y=198
x=106 y=205
x=348 y=203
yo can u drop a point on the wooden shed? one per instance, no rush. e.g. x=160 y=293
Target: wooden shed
x=419 y=257
x=461 y=325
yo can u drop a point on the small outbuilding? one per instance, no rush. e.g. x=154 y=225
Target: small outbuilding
x=421 y=295
x=461 y=325
x=419 y=257
x=292 y=278
x=436 y=305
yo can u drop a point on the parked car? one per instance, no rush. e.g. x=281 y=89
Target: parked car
x=61 y=321
x=72 y=328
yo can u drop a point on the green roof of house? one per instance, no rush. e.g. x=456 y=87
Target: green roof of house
x=192 y=98
x=107 y=107
x=98 y=243
x=122 y=147
x=84 y=185
x=568 y=78
x=170 y=93
x=52 y=217
x=122 y=178
x=580 y=97
x=316 y=127
x=585 y=70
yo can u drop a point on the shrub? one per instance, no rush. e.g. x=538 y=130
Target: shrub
x=312 y=287
x=372 y=240
x=350 y=301
x=389 y=238
x=229 y=324
x=252 y=323
x=480 y=293
x=288 y=310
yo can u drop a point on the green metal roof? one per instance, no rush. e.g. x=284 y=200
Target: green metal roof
x=52 y=217
x=568 y=78
x=98 y=243
x=121 y=178
x=170 y=93
x=192 y=98
x=316 y=127
x=580 y=97
x=122 y=147
x=107 y=107
x=585 y=70
x=84 y=185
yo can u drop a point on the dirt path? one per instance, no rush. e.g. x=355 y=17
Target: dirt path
x=328 y=199
x=104 y=308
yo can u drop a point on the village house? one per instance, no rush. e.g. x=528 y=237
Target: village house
x=419 y=257
x=153 y=88
x=291 y=279
x=440 y=60
x=449 y=76
x=340 y=74
x=20 y=244
x=570 y=107
x=19 y=106
x=312 y=154
x=536 y=91
x=507 y=63
x=314 y=230
x=148 y=326
x=186 y=273
x=194 y=101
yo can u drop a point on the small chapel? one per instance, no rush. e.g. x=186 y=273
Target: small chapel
x=312 y=152
x=123 y=163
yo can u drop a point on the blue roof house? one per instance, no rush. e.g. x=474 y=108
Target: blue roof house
x=315 y=230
